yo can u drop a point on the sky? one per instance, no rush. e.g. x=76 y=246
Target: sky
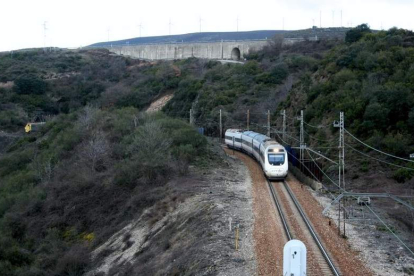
x=78 y=23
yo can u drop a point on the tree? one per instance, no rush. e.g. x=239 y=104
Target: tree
x=30 y=84
x=151 y=147
x=357 y=33
x=95 y=151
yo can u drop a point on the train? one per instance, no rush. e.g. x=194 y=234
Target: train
x=271 y=155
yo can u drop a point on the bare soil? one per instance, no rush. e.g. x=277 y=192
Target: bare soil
x=377 y=247
x=192 y=231
x=158 y=104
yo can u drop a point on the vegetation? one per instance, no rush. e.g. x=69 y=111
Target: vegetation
x=53 y=184
x=96 y=164
x=99 y=161
x=370 y=79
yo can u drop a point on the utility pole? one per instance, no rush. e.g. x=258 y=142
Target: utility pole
x=191 y=117
x=284 y=124
x=341 y=166
x=302 y=138
x=342 y=157
x=268 y=123
x=140 y=29
x=221 y=127
x=248 y=119
x=44 y=35
x=320 y=19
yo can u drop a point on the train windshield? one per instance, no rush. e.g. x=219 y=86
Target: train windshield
x=276 y=159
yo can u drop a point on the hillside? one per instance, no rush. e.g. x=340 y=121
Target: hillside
x=105 y=184
x=371 y=80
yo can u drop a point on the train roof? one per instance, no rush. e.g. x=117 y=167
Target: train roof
x=273 y=143
x=257 y=136
x=233 y=130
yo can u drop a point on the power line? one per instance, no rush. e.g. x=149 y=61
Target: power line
x=306 y=168
x=390 y=155
x=379 y=160
x=336 y=184
x=376 y=215
x=286 y=135
x=320 y=126
x=389 y=229
x=342 y=189
x=317 y=139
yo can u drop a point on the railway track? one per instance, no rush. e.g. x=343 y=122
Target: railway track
x=297 y=226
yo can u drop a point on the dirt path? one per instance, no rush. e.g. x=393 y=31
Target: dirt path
x=267 y=232
x=158 y=104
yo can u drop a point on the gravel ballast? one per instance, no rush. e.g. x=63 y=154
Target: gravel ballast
x=349 y=261
x=268 y=233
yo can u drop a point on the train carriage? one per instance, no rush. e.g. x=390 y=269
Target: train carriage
x=271 y=155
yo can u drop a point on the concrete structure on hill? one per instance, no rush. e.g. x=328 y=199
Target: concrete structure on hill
x=215 y=45
x=233 y=50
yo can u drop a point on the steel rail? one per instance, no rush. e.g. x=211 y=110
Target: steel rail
x=279 y=208
x=311 y=230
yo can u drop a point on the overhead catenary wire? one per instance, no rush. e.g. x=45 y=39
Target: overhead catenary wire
x=326 y=188
x=318 y=139
x=379 y=160
x=377 y=150
x=336 y=184
x=371 y=210
x=332 y=181
x=390 y=230
x=279 y=131
x=320 y=126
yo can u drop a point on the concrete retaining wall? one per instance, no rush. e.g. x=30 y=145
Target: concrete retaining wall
x=213 y=50
x=218 y=50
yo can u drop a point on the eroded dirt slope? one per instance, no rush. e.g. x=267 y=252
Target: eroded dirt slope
x=191 y=232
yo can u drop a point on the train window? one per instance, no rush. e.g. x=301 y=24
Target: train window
x=276 y=159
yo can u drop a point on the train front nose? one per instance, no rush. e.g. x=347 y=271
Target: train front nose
x=275 y=173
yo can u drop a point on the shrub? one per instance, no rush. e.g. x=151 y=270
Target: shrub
x=74 y=262
x=30 y=84
x=357 y=33
x=403 y=175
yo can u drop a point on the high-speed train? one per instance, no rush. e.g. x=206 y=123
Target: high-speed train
x=271 y=155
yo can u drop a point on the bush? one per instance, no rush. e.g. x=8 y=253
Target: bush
x=403 y=175
x=30 y=84
x=357 y=33
x=74 y=262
